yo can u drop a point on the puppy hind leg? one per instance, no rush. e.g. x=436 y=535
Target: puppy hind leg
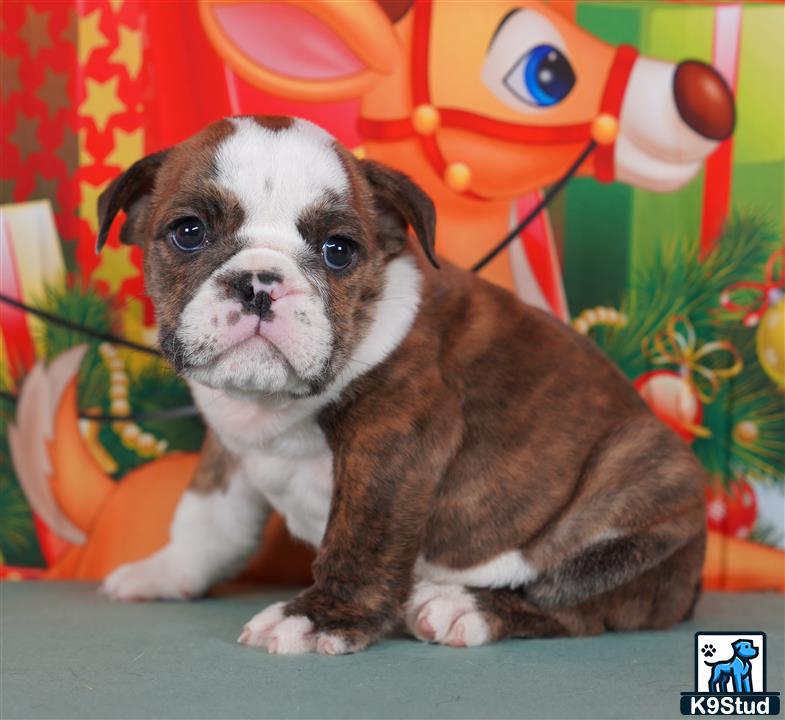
x=638 y=510
x=510 y=613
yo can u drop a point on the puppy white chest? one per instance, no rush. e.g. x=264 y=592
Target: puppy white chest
x=300 y=488
x=283 y=454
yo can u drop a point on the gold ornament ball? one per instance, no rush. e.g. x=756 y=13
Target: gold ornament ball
x=120 y=407
x=118 y=377
x=458 y=176
x=770 y=342
x=130 y=432
x=425 y=119
x=146 y=443
x=746 y=432
x=604 y=129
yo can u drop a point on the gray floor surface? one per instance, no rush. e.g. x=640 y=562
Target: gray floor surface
x=68 y=653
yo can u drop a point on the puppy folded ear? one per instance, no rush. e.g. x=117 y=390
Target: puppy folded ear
x=400 y=204
x=128 y=192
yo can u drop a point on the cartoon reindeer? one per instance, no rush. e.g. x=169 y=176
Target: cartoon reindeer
x=482 y=103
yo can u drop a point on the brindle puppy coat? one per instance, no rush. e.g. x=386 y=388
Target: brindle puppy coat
x=468 y=467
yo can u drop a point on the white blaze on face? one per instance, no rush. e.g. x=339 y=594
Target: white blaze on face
x=275 y=174
x=656 y=149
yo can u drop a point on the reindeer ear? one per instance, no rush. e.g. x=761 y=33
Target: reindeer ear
x=128 y=192
x=401 y=204
x=565 y=8
x=305 y=50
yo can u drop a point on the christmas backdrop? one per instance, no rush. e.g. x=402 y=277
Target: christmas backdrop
x=682 y=289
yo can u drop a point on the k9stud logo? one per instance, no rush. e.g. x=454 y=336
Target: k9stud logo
x=730 y=676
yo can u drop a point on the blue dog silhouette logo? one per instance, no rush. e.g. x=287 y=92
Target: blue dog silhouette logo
x=730 y=676
x=735 y=672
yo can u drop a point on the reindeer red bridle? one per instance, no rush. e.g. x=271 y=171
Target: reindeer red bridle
x=427 y=119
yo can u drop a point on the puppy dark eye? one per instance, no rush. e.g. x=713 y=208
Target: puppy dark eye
x=338 y=252
x=188 y=234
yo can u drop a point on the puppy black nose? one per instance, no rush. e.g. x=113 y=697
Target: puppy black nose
x=256 y=302
x=259 y=304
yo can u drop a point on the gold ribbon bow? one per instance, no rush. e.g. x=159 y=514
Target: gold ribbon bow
x=677 y=345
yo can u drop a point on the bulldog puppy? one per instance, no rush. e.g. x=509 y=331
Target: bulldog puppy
x=468 y=467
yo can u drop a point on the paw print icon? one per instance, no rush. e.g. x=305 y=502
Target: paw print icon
x=708 y=650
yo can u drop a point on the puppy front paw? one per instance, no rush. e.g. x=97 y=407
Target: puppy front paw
x=279 y=633
x=154 y=578
x=294 y=634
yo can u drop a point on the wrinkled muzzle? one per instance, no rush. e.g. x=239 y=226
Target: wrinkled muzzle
x=258 y=324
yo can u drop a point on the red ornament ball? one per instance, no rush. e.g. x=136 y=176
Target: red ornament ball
x=672 y=399
x=733 y=510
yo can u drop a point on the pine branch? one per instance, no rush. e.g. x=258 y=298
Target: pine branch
x=753 y=398
x=680 y=282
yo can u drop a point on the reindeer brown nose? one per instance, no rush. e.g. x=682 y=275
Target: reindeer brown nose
x=704 y=100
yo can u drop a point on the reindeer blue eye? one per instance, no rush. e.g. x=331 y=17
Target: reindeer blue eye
x=542 y=77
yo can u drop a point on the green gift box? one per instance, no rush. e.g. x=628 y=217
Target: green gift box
x=610 y=231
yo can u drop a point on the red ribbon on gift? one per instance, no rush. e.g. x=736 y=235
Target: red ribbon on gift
x=764 y=294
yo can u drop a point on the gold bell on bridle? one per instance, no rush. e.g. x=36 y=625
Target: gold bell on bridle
x=425 y=119
x=458 y=176
x=604 y=129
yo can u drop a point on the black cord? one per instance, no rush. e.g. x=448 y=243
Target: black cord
x=547 y=198
x=171 y=414
x=177 y=413
x=99 y=334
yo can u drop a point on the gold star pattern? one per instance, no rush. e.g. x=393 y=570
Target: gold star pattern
x=54 y=91
x=116 y=5
x=115 y=267
x=101 y=101
x=35 y=30
x=25 y=136
x=89 y=36
x=86 y=158
x=9 y=76
x=88 y=204
x=128 y=147
x=129 y=51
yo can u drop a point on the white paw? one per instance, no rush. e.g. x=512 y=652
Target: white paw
x=328 y=644
x=446 y=614
x=281 y=635
x=292 y=635
x=154 y=578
